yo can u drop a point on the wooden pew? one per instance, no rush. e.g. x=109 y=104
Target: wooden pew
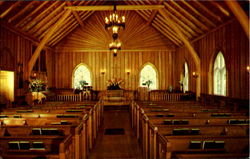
x=26 y=147
x=170 y=146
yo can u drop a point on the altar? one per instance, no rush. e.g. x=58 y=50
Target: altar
x=115 y=97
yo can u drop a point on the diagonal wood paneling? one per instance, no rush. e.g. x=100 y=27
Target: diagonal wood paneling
x=137 y=35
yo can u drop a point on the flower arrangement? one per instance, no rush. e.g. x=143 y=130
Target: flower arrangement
x=115 y=84
x=148 y=83
x=37 y=85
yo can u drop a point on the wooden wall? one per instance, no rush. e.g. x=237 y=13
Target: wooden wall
x=114 y=67
x=15 y=52
x=234 y=44
x=141 y=44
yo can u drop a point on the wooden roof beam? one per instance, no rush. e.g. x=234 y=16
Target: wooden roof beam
x=27 y=7
x=61 y=31
x=31 y=14
x=152 y=17
x=162 y=19
x=38 y=17
x=7 y=11
x=163 y=24
x=223 y=10
x=118 y=7
x=198 y=13
x=189 y=46
x=153 y=14
x=76 y=15
x=182 y=25
x=199 y=23
x=167 y=33
x=48 y=18
x=183 y=18
x=207 y=10
x=45 y=27
x=61 y=34
x=44 y=41
x=240 y=15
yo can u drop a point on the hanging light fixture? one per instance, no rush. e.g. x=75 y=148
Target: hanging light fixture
x=114 y=46
x=114 y=22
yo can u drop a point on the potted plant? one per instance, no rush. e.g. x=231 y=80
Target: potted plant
x=147 y=83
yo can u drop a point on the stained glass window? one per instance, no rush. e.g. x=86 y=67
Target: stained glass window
x=148 y=73
x=81 y=73
x=220 y=75
x=186 y=77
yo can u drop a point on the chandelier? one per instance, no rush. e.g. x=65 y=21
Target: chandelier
x=115 y=46
x=114 y=22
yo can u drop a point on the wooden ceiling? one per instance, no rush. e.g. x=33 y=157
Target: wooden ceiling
x=193 y=19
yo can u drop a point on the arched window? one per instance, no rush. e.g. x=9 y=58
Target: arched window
x=81 y=73
x=186 y=77
x=148 y=75
x=220 y=75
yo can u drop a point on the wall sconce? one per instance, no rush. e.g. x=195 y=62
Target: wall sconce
x=248 y=69
x=103 y=72
x=128 y=72
x=33 y=75
x=195 y=74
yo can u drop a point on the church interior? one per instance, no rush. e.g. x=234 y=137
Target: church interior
x=124 y=79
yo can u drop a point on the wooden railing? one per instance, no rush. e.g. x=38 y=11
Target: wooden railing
x=159 y=95
x=154 y=95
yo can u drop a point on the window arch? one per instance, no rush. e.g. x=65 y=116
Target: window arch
x=219 y=74
x=81 y=73
x=185 y=78
x=148 y=73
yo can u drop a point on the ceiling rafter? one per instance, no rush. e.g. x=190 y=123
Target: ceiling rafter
x=197 y=22
x=31 y=14
x=167 y=28
x=166 y=34
x=12 y=7
x=153 y=14
x=184 y=19
x=205 y=19
x=76 y=15
x=27 y=7
x=38 y=17
x=146 y=16
x=83 y=17
x=222 y=9
x=63 y=33
x=47 y=25
x=45 y=20
x=68 y=21
x=207 y=10
x=187 y=34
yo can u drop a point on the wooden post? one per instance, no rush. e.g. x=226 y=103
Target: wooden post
x=239 y=14
x=189 y=47
x=44 y=41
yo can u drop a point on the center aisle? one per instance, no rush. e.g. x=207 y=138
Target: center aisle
x=116 y=138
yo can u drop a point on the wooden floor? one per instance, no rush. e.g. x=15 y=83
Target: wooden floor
x=116 y=146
